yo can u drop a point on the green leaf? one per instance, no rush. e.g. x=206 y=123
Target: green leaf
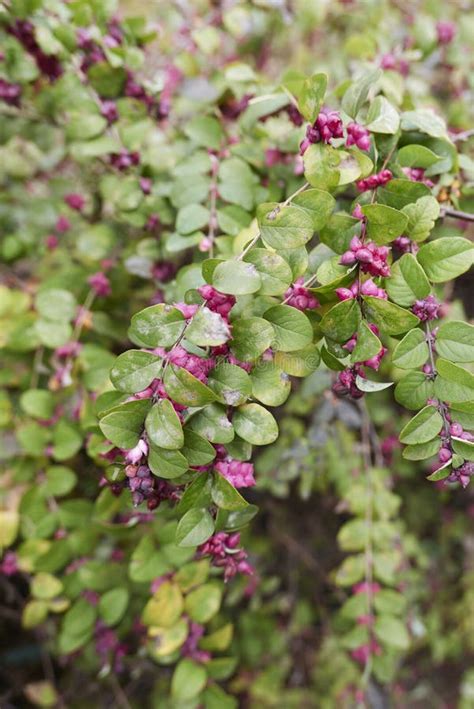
x=421 y=217
x=407 y=282
x=321 y=166
x=414 y=390
x=255 y=424
x=398 y=193
x=123 y=426
x=157 y=326
x=339 y=231
x=38 y=403
x=113 y=604
x=311 y=96
x=417 y=156
x=463 y=448
x=284 y=227
x=368 y=344
x=146 y=562
x=165 y=606
x=382 y=117
x=441 y=473
x=205 y=131
x=45 y=586
x=446 y=258
x=203 y=603
x=231 y=383
x=455 y=341
x=213 y=424
x=251 y=337
x=423 y=427
x=391 y=319
x=392 y=632
x=167 y=640
x=67 y=440
x=425 y=121
x=167 y=464
x=270 y=384
x=412 y=352
x=225 y=496
x=59 y=481
x=237 y=182
x=353 y=165
x=318 y=204
x=194 y=528
x=275 y=273
x=384 y=223
x=197 y=450
x=186 y=389
x=107 y=80
x=196 y=494
x=56 y=304
x=236 y=278
x=300 y=363
x=453 y=384
x=342 y=320
x=163 y=426
x=369 y=387
x=191 y=218
x=421 y=451
x=34 y=613
x=82 y=126
x=357 y=93
x=189 y=679
x=293 y=330
x=134 y=370
x=207 y=329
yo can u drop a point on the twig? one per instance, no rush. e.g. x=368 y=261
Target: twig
x=213 y=200
x=120 y=695
x=456 y=214
x=367 y=451
x=465 y=135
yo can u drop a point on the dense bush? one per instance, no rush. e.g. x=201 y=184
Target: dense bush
x=238 y=386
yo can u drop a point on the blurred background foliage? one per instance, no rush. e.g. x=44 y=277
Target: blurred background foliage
x=294 y=634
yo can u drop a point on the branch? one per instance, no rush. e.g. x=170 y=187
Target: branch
x=456 y=214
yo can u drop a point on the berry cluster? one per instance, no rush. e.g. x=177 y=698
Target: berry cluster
x=358 y=135
x=10 y=93
x=345 y=384
x=238 y=473
x=368 y=287
x=373 y=362
x=417 y=174
x=445 y=31
x=363 y=652
x=124 y=159
x=371 y=258
x=225 y=553
x=405 y=245
x=108 y=646
x=75 y=200
x=327 y=125
x=427 y=309
x=48 y=64
x=374 y=181
x=394 y=63
x=190 y=646
x=145 y=486
x=217 y=302
x=100 y=284
x=300 y=297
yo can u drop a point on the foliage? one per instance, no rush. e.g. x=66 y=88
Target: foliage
x=223 y=270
